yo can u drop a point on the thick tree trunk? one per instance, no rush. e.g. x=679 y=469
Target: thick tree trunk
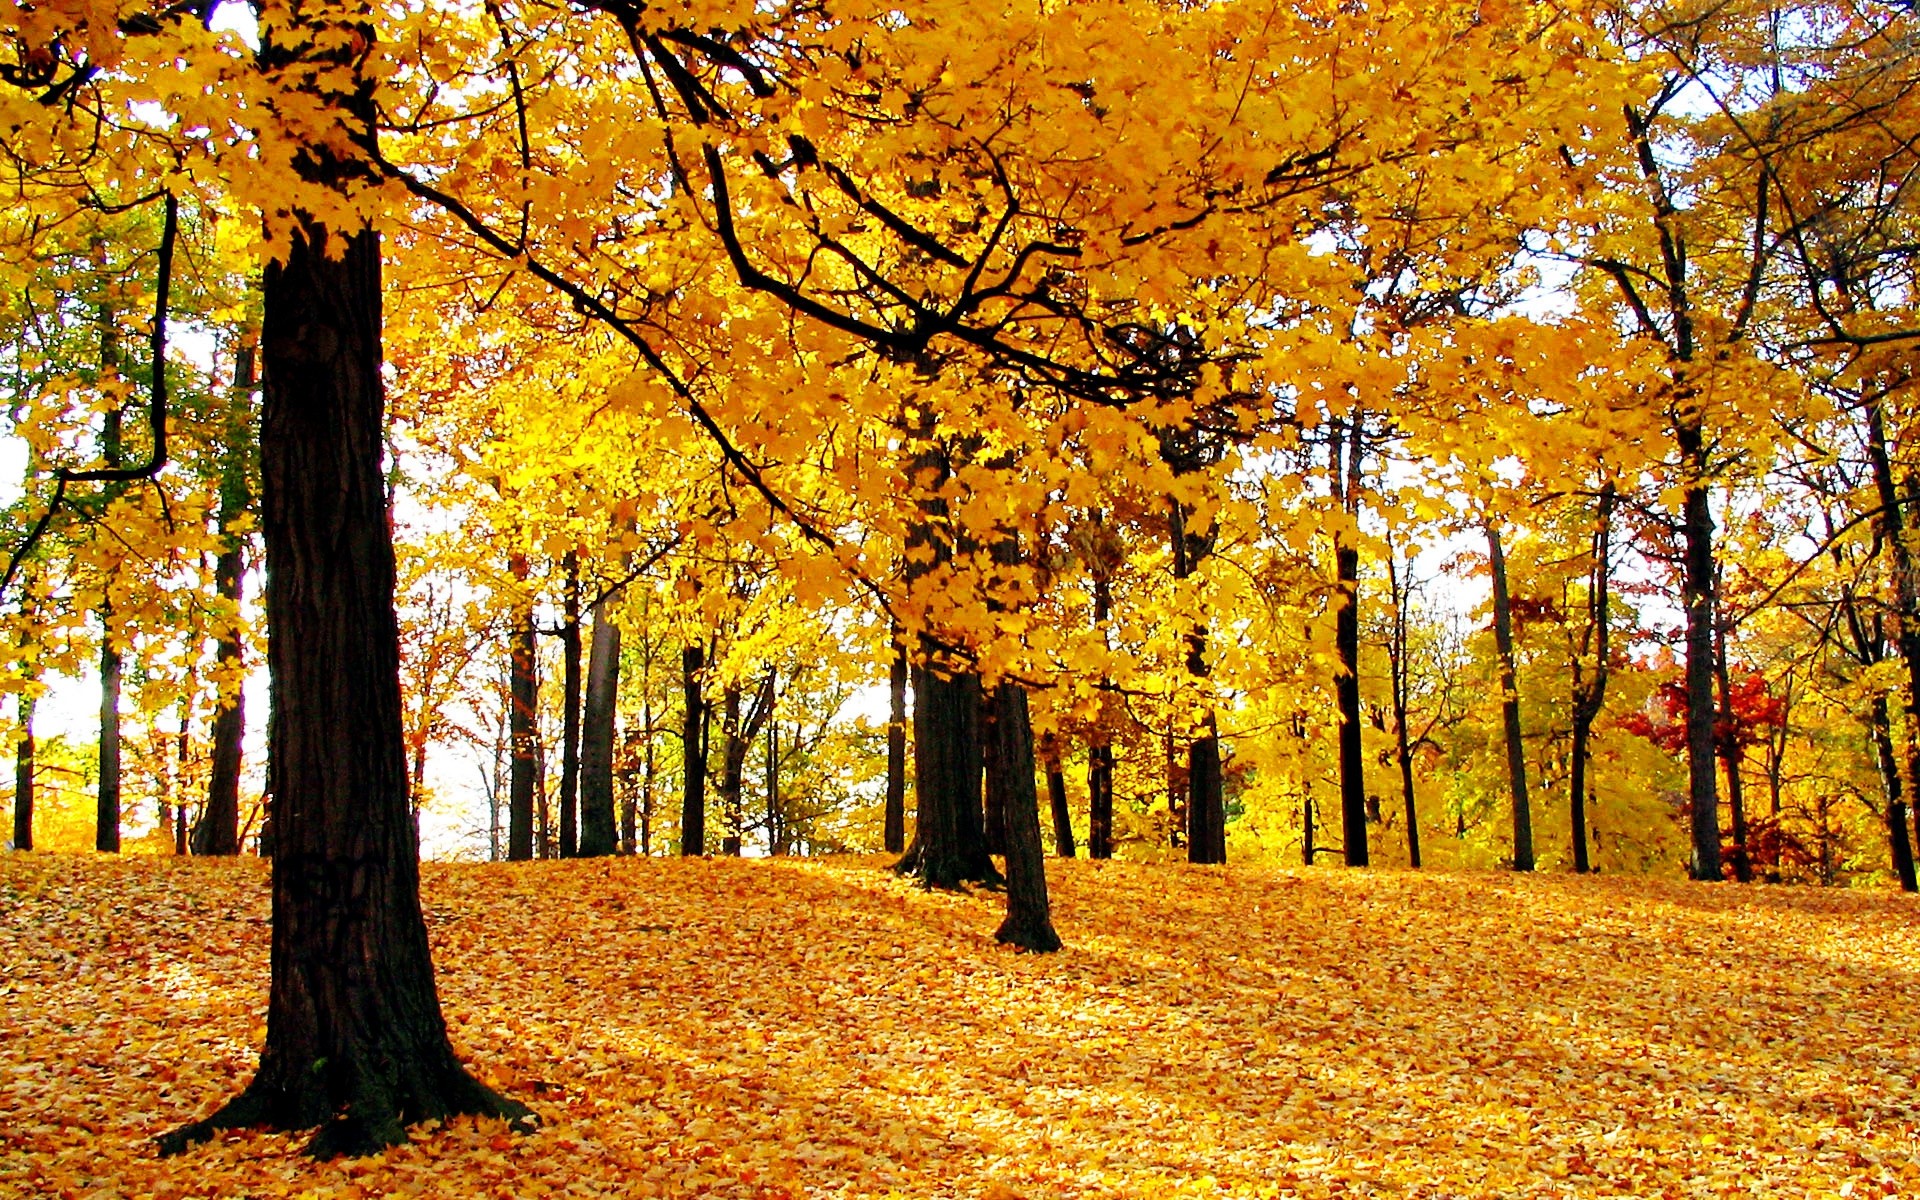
x=1029 y=921
x=570 y=709
x=1510 y=704
x=23 y=777
x=949 y=844
x=895 y=833
x=598 y=835
x=993 y=787
x=693 y=742
x=1206 y=798
x=523 y=723
x=355 y=1038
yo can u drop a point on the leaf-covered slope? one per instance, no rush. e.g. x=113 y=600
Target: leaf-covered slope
x=766 y=1029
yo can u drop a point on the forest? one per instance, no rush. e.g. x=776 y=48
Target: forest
x=975 y=519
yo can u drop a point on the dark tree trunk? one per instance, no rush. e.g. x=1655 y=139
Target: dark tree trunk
x=1029 y=921
x=1906 y=598
x=1346 y=692
x=218 y=830
x=1510 y=704
x=523 y=727
x=1399 y=668
x=993 y=787
x=693 y=742
x=1730 y=758
x=1346 y=644
x=355 y=1038
x=1697 y=582
x=598 y=835
x=107 y=808
x=896 y=814
x=1307 y=848
x=1898 y=843
x=1100 y=751
x=777 y=839
x=1206 y=797
x=570 y=709
x=949 y=844
x=1590 y=691
x=1057 y=801
x=732 y=770
x=23 y=777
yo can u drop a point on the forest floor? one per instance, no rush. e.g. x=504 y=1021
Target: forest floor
x=789 y=1028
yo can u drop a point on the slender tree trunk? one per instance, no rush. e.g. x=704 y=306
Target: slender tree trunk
x=107 y=810
x=355 y=1038
x=1590 y=691
x=776 y=823
x=1510 y=704
x=1346 y=643
x=1029 y=920
x=1206 y=797
x=570 y=708
x=1100 y=751
x=1898 y=843
x=1906 y=588
x=693 y=742
x=993 y=788
x=1698 y=578
x=218 y=830
x=1397 y=666
x=732 y=770
x=1057 y=800
x=523 y=723
x=1307 y=848
x=598 y=836
x=1730 y=756
x=896 y=813
x=23 y=777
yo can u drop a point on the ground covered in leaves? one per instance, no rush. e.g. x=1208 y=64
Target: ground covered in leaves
x=790 y=1028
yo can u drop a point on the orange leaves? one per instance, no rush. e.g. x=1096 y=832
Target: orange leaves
x=764 y=1029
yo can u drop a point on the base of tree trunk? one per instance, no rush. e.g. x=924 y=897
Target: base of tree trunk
x=950 y=876
x=1035 y=937
x=374 y=1117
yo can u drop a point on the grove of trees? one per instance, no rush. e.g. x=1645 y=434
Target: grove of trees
x=1429 y=434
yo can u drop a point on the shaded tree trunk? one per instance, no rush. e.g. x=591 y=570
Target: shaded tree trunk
x=570 y=708
x=1698 y=576
x=1730 y=758
x=1057 y=801
x=1397 y=667
x=1590 y=691
x=895 y=833
x=1906 y=598
x=598 y=835
x=693 y=742
x=740 y=729
x=949 y=844
x=1346 y=643
x=993 y=787
x=1029 y=920
x=1100 y=752
x=523 y=728
x=1205 y=790
x=1510 y=704
x=1899 y=846
x=107 y=807
x=355 y=1038
x=218 y=830
x=23 y=777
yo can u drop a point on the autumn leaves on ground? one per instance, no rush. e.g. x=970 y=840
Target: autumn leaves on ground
x=792 y=1028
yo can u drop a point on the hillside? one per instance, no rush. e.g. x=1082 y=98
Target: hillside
x=786 y=1028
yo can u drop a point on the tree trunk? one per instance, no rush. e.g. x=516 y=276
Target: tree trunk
x=570 y=709
x=23 y=777
x=1698 y=577
x=523 y=722
x=1398 y=668
x=218 y=830
x=1590 y=691
x=107 y=808
x=1510 y=704
x=1307 y=849
x=1206 y=798
x=1898 y=844
x=993 y=787
x=895 y=834
x=1730 y=756
x=1029 y=921
x=355 y=1038
x=1346 y=643
x=776 y=822
x=1100 y=751
x=693 y=742
x=1057 y=801
x=598 y=835
x=1906 y=594
x=949 y=844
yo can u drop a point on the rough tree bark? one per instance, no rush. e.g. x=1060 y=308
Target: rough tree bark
x=1029 y=921
x=1346 y=641
x=355 y=1041
x=23 y=777
x=1510 y=703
